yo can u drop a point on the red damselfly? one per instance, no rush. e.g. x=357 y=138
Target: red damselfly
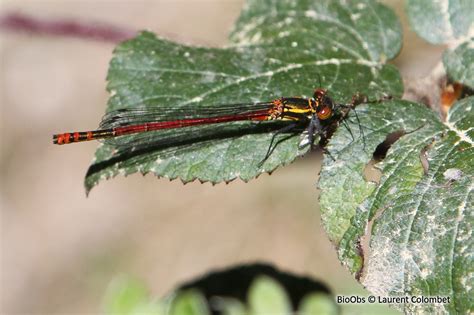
x=314 y=113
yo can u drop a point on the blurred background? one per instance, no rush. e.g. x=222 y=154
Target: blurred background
x=60 y=250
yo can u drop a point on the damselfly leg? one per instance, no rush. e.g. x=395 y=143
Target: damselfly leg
x=287 y=129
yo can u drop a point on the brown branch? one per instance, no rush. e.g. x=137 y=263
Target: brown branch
x=17 y=22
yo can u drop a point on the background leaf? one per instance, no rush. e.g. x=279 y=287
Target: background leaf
x=279 y=48
x=318 y=303
x=442 y=21
x=189 y=303
x=254 y=289
x=417 y=221
x=129 y=296
x=459 y=63
x=232 y=307
x=266 y=296
x=448 y=22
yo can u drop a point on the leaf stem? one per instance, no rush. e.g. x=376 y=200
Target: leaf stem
x=18 y=22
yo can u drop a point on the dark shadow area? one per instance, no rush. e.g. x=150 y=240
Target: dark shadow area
x=381 y=151
x=235 y=282
x=371 y=173
x=181 y=140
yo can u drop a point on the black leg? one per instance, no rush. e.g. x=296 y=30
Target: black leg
x=326 y=151
x=272 y=146
x=356 y=100
x=361 y=130
x=344 y=123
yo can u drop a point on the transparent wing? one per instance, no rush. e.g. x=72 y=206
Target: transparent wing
x=135 y=116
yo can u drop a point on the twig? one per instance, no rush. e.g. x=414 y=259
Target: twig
x=17 y=22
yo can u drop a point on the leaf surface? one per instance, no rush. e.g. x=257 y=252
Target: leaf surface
x=411 y=233
x=441 y=21
x=267 y=296
x=318 y=303
x=459 y=63
x=189 y=303
x=129 y=296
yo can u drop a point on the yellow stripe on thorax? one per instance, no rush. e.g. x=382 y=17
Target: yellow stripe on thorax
x=297 y=110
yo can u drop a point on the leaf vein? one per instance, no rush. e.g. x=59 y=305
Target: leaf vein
x=420 y=198
x=200 y=72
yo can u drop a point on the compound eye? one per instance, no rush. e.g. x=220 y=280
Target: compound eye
x=324 y=113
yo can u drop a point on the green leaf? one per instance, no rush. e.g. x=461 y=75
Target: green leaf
x=128 y=297
x=441 y=22
x=362 y=30
x=410 y=234
x=459 y=63
x=267 y=296
x=231 y=306
x=318 y=304
x=279 y=48
x=448 y=22
x=189 y=302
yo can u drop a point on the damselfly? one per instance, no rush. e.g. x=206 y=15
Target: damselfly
x=313 y=113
